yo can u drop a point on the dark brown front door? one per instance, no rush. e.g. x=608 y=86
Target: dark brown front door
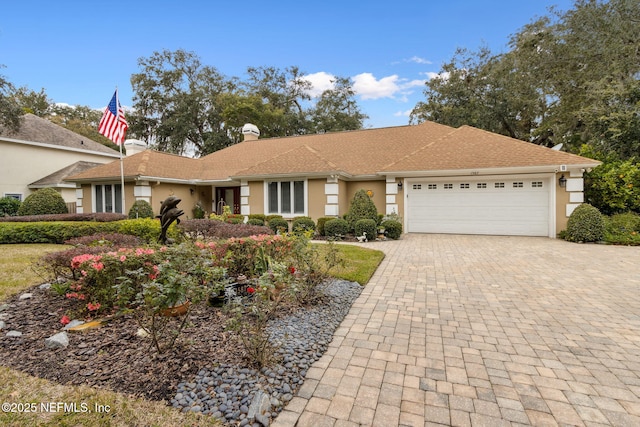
x=228 y=196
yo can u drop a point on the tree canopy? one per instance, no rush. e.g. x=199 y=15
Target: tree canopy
x=571 y=78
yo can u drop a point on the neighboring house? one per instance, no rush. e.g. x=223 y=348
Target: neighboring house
x=437 y=178
x=42 y=154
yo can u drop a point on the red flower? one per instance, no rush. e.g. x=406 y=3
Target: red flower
x=250 y=290
x=292 y=270
x=65 y=320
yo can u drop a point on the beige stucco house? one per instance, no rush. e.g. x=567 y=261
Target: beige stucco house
x=439 y=179
x=42 y=154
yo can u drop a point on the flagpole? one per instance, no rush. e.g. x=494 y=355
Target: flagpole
x=121 y=160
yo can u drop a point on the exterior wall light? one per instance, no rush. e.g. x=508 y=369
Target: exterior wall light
x=562 y=181
x=400 y=185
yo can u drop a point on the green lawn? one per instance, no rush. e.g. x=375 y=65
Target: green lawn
x=19 y=388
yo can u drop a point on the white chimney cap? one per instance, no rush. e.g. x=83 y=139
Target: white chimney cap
x=250 y=129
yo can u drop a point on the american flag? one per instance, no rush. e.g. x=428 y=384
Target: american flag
x=113 y=125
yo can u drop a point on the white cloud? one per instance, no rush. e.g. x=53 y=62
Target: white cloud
x=418 y=60
x=368 y=87
x=406 y=113
x=321 y=81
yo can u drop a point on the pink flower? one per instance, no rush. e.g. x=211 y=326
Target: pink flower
x=65 y=320
x=93 y=307
x=98 y=266
x=123 y=258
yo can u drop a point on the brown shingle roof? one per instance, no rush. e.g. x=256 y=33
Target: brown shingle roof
x=148 y=163
x=471 y=148
x=425 y=147
x=37 y=129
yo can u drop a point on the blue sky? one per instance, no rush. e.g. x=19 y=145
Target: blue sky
x=79 y=51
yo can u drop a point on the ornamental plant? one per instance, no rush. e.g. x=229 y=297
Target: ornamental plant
x=586 y=224
x=362 y=207
x=43 y=201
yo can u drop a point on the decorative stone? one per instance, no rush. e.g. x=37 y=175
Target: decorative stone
x=73 y=323
x=3 y=307
x=59 y=340
x=14 y=334
x=2 y=325
x=45 y=286
x=142 y=333
x=26 y=295
x=260 y=408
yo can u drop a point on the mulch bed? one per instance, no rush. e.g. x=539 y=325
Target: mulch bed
x=112 y=356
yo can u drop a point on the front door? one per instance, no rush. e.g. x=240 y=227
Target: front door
x=228 y=196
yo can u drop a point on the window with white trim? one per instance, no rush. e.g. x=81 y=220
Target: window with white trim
x=499 y=185
x=417 y=186
x=286 y=197
x=518 y=184
x=432 y=186
x=17 y=196
x=464 y=185
x=448 y=186
x=481 y=185
x=536 y=184
x=108 y=198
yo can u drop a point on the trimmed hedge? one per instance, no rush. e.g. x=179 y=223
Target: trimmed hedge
x=586 y=224
x=42 y=202
x=276 y=224
x=97 y=217
x=255 y=221
x=141 y=209
x=321 y=222
x=392 y=228
x=9 y=206
x=59 y=232
x=337 y=227
x=211 y=230
x=368 y=226
x=362 y=207
x=302 y=224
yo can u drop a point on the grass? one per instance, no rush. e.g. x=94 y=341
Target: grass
x=20 y=388
x=16 y=265
x=360 y=263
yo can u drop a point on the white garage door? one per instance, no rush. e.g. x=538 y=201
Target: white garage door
x=503 y=206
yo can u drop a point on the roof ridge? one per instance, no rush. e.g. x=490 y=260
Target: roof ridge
x=421 y=148
x=317 y=154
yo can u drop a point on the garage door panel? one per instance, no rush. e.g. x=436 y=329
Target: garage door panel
x=479 y=209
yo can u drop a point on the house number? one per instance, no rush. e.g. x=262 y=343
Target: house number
x=475 y=173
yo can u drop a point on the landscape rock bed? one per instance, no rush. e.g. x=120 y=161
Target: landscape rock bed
x=205 y=372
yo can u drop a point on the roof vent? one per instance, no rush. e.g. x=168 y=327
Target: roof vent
x=250 y=132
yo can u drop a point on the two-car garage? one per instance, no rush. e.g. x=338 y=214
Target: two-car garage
x=509 y=205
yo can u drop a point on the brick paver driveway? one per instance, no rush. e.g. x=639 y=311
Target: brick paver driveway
x=484 y=331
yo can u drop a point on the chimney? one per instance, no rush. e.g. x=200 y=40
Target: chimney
x=250 y=132
x=134 y=146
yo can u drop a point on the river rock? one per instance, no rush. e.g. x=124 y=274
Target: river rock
x=26 y=295
x=59 y=340
x=14 y=334
x=260 y=408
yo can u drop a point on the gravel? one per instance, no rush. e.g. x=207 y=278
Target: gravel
x=228 y=391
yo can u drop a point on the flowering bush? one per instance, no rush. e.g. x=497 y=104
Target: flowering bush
x=239 y=255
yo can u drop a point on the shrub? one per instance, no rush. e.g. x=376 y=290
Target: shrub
x=141 y=209
x=209 y=230
x=146 y=228
x=234 y=219
x=198 y=211
x=9 y=206
x=51 y=232
x=337 y=227
x=97 y=217
x=368 y=226
x=623 y=229
x=362 y=207
x=278 y=224
x=585 y=224
x=261 y=217
x=43 y=201
x=392 y=228
x=255 y=221
x=302 y=223
x=321 y=222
